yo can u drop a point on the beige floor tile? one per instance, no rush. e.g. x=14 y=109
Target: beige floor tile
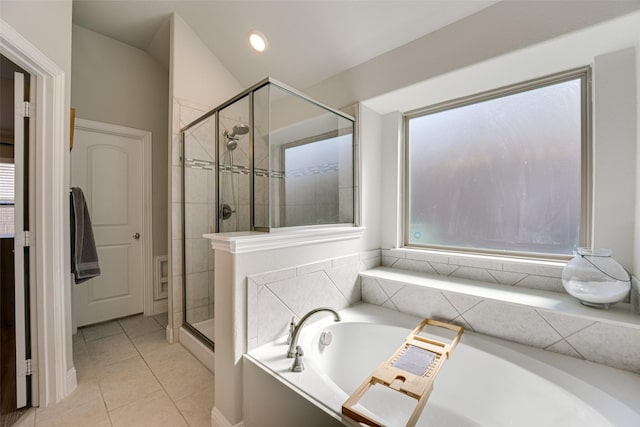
x=154 y=346
x=162 y=318
x=196 y=408
x=101 y=330
x=180 y=374
x=86 y=369
x=84 y=407
x=28 y=419
x=128 y=375
x=116 y=348
x=152 y=411
x=139 y=325
x=78 y=340
x=125 y=382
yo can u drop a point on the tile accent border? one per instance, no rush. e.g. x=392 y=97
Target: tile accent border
x=572 y=335
x=276 y=296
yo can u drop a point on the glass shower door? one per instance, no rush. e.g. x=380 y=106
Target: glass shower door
x=199 y=216
x=234 y=165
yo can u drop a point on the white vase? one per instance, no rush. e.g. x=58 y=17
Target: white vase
x=595 y=278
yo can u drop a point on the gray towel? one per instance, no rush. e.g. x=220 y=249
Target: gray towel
x=84 y=256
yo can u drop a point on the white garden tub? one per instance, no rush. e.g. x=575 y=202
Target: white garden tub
x=487 y=382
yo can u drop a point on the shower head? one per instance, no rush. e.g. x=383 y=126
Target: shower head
x=240 y=129
x=232 y=138
x=237 y=130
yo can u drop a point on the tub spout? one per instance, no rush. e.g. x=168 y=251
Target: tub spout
x=295 y=333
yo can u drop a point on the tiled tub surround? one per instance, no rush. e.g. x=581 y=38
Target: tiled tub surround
x=274 y=297
x=543 y=319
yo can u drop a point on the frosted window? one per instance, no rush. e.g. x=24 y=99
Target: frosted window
x=7 y=199
x=502 y=174
x=316 y=175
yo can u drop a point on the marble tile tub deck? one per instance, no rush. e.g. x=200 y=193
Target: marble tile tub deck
x=128 y=375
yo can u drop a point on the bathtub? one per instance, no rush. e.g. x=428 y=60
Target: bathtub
x=487 y=382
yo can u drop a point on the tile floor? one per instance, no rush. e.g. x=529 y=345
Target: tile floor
x=129 y=376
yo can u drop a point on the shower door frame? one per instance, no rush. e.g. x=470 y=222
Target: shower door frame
x=188 y=326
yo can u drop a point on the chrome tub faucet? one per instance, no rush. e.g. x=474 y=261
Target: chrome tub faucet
x=294 y=329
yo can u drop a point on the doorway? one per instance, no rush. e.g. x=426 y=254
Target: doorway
x=15 y=251
x=112 y=165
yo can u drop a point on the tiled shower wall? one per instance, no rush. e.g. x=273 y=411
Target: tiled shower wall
x=274 y=297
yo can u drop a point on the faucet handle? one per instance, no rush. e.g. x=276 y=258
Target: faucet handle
x=298 y=366
x=292 y=328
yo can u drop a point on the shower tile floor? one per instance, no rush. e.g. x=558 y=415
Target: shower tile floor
x=128 y=375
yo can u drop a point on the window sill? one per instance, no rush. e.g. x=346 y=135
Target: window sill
x=620 y=314
x=508 y=268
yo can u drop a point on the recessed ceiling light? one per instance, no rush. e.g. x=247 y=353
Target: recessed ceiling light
x=258 y=41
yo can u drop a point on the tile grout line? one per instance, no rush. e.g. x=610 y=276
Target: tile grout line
x=154 y=376
x=334 y=285
x=562 y=337
x=451 y=304
x=283 y=303
x=97 y=379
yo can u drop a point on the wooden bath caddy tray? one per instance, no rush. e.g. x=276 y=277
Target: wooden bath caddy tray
x=411 y=370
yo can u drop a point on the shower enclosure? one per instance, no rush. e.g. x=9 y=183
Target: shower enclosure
x=268 y=158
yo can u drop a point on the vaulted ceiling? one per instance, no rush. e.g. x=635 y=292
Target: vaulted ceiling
x=312 y=40
x=309 y=41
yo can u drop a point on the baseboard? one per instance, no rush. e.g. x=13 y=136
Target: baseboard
x=219 y=420
x=159 y=307
x=171 y=337
x=71 y=381
x=202 y=352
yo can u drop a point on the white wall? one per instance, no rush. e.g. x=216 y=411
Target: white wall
x=636 y=253
x=504 y=27
x=198 y=83
x=115 y=83
x=372 y=179
x=196 y=74
x=615 y=103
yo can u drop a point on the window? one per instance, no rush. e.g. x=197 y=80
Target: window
x=7 y=199
x=318 y=180
x=504 y=171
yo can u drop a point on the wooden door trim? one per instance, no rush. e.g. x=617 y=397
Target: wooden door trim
x=147 y=194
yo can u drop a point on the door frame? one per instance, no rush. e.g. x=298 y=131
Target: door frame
x=55 y=377
x=147 y=197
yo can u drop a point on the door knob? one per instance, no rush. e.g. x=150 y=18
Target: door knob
x=136 y=236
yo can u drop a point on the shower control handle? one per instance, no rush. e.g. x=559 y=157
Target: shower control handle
x=136 y=236
x=226 y=211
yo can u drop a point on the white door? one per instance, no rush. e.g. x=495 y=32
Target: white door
x=20 y=241
x=107 y=164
